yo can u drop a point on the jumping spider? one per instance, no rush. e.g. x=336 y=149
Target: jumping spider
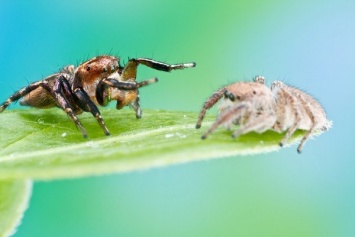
x=257 y=108
x=94 y=82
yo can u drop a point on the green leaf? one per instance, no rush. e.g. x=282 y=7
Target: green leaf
x=14 y=196
x=44 y=144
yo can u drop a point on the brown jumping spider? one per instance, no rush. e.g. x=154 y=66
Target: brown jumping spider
x=257 y=108
x=94 y=82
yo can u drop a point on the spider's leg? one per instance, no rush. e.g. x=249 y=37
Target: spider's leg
x=230 y=115
x=304 y=139
x=127 y=85
x=102 y=94
x=147 y=82
x=130 y=69
x=161 y=65
x=121 y=85
x=103 y=85
x=21 y=93
x=61 y=93
x=289 y=133
x=258 y=124
x=293 y=103
x=135 y=105
x=103 y=98
x=208 y=104
x=86 y=104
x=313 y=126
x=283 y=99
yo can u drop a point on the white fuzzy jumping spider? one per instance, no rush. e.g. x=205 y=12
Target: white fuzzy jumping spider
x=257 y=108
x=94 y=82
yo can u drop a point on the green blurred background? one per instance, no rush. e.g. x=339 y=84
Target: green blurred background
x=309 y=44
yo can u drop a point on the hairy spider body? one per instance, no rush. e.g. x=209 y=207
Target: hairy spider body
x=255 y=107
x=94 y=82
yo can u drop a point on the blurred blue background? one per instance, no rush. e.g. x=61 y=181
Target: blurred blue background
x=309 y=44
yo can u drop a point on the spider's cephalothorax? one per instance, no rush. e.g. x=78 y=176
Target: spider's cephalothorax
x=258 y=108
x=94 y=82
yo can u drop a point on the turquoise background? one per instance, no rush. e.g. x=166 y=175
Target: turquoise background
x=309 y=44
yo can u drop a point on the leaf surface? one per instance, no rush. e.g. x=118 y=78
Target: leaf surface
x=45 y=144
x=14 y=196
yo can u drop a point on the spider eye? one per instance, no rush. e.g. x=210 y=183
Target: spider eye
x=88 y=68
x=105 y=69
x=229 y=95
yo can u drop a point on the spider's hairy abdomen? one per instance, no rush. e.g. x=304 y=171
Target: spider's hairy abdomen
x=40 y=97
x=296 y=106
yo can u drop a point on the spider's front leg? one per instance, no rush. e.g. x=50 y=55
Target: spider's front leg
x=209 y=104
x=135 y=105
x=130 y=69
x=256 y=122
x=228 y=117
x=103 y=94
x=104 y=84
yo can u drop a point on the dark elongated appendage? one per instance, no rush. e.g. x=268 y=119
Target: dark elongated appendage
x=208 y=104
x=102 y=96
x=147 y=82
x=162 y=66
x=63 y=95
x=135 y=105
x=130 y=69
x=102 y=87
x=120 y=84
x=86 y=104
